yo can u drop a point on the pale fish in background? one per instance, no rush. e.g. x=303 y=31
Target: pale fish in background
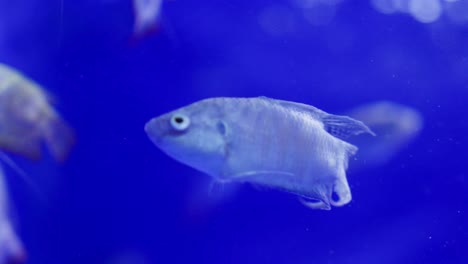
x=27 y=120
x=396 y=126
x=11 y=248
x=284 y=145
x=146 y=14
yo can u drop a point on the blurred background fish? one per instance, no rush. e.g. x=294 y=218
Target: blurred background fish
x=11 y=247
x=396 y=126
x=146 y=14
x=27 y=122
x=27 y=118
x=119 y=192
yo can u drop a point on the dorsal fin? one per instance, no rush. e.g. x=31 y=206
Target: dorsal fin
x=339 y=126
x=344 y=126
x=311 y=110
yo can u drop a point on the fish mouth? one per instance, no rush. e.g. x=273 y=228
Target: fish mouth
x=148 y=126
x=151 y=130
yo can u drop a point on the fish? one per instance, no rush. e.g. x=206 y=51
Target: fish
x=146 y=13
x=283 y=145
x=397 y=126
x=11 y=246
x=28 y=120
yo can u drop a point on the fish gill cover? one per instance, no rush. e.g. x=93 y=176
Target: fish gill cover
x=104 y=68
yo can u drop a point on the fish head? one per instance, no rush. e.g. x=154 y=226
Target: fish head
x=193 y=135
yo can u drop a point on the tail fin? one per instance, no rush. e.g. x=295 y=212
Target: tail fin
x=59 y=138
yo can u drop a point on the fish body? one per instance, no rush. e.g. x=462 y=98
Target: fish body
x=280 y=144
x=27 y=118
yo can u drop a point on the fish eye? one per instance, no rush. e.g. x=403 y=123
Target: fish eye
x=180 y=122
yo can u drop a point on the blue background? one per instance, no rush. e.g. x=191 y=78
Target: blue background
x=117 y=193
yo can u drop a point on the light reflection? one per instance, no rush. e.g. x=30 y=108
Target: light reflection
x=278 y=20
x=457 y=11
x=317 y=12
x=385 y=6
x=320 y=14
x=312 y=3
x=426 y=11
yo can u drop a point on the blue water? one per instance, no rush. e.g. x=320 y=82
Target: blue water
x=120 y=195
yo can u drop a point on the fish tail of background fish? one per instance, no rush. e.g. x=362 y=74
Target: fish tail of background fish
x=12 y=249
x=59 y=137
x=146 y=13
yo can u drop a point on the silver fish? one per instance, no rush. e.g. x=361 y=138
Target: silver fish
x=279 y=144
x=27 y=118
